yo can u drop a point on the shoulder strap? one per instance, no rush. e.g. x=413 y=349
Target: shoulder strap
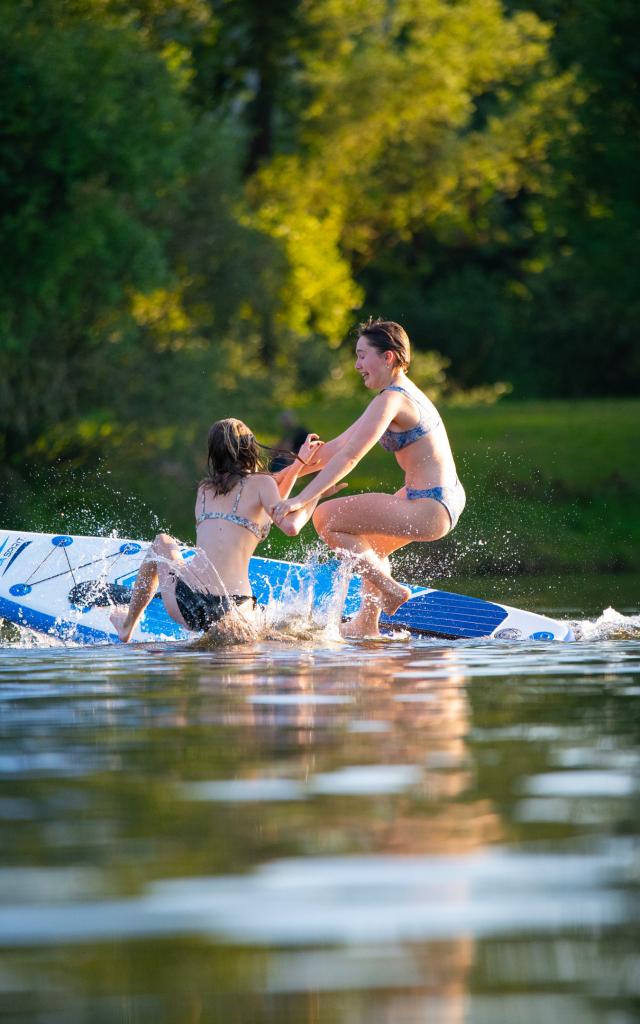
x=240 y=488
x=396 y=387
x=404 y=391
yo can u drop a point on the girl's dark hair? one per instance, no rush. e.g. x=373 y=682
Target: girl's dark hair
x=387 y=336
x=233 y=453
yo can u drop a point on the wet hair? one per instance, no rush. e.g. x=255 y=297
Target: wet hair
x=233 y=453
x=387 y=336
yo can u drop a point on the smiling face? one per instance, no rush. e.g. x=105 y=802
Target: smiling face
x=375 y=367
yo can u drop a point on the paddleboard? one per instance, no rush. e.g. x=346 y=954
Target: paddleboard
x=65 y=586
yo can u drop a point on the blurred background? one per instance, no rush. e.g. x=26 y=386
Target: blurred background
x=201 y=199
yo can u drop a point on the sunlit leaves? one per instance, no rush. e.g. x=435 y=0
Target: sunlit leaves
x=421 y=115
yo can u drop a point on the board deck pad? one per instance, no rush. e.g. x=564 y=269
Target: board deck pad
x=439 y=613
x=65 y=586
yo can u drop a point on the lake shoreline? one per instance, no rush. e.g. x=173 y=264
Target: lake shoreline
x=552 y=487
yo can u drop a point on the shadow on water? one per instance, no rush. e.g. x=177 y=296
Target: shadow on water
x=310 y=830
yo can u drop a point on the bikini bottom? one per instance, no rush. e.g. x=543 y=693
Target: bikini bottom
x=452 y=498
x=200 y=610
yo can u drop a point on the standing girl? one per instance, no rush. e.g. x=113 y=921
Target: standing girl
x=369 y=527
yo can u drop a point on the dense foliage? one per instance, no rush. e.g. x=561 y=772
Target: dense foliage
x=200 y=198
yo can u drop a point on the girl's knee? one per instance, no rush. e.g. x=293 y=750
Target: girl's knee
x=331 y=538
x=325 y=533
x=163 y=544
x=321 y=521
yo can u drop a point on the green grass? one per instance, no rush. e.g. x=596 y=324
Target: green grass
x=551 y=487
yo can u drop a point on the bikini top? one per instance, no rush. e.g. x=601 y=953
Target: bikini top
x=394 y=440
x=232 y=517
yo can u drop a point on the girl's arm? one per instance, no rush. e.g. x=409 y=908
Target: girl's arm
x=306 y=461
x=360 y=438
x=330 y=448
x=293 y=523
x=320 y=457
x=199 y=503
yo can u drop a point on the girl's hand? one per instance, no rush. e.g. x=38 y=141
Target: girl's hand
x=284 y=508
x=308 y=452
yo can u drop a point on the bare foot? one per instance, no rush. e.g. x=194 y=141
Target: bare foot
x=393 y=597
x=364 y=622
x=118 y=619
x=353 y=629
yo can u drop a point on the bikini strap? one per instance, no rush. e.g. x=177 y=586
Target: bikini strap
x=236 y=502
x=396 y=387
x=404 y=391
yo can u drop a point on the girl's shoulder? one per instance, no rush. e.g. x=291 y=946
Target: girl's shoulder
x=396 y=394
x=255 y=479
x=257 y=483
x=262 y=480
x=415 y=393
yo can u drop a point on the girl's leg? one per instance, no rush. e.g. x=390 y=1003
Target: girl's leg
x=366 y=621
x=373 y=569
x=371 y=526
x=155 y=571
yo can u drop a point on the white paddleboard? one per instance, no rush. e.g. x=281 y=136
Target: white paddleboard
x=65 y=586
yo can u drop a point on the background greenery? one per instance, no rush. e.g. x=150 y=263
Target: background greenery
x=544 y=492
x=201 y=197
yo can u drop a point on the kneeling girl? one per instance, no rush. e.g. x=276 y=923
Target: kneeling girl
x=233 y=514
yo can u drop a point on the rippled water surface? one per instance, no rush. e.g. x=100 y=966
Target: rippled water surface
x=313 y=831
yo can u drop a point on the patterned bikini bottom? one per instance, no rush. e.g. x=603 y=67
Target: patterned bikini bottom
x=453 y=498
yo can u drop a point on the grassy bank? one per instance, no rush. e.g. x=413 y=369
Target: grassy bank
x=551 y=486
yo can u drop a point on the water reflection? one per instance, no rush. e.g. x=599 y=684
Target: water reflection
x=394 y=832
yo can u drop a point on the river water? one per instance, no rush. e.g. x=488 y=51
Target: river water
x=322 y=832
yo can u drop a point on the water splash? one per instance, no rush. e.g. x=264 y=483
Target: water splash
x=49 y=494
x=12 y=635
x=293 y=616
x=611 y=625
x=296 y=617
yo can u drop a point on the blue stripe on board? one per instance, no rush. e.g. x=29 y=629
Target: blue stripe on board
x=449 y=615
x=23 y=616
x=15 y=555
x=157 y=622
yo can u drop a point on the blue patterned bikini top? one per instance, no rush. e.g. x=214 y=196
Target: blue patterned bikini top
x=394 y=440
x=232 y=517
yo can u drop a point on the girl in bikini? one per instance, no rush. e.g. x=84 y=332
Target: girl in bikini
x=233 y=514
x=369 y=527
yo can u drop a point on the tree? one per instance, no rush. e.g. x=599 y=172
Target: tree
x=584 y=307
x=425 y=123
x=93 y=133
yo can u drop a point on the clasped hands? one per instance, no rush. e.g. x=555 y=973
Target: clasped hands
x=309 y=455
